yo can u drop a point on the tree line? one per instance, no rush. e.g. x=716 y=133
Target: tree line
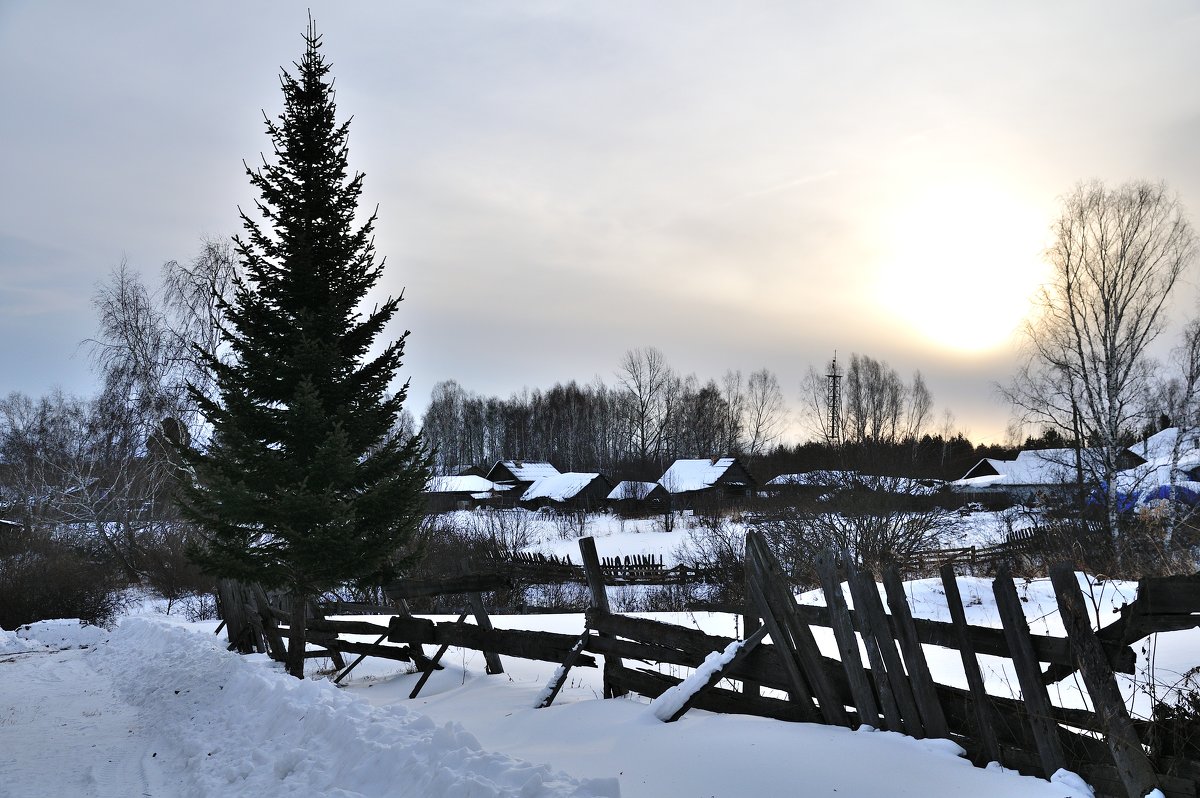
x=652 y=415
x=638 y=426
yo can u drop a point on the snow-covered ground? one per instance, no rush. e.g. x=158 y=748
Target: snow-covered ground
x=157 y=707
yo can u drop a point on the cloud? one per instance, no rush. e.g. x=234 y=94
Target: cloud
x=560 y=182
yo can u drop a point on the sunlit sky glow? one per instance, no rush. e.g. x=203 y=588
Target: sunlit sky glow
x=739 y=184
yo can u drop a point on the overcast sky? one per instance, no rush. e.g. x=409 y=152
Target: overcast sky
x=739 y=184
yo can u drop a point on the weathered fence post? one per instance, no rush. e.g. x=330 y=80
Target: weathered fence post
x=781 y=603
x=491 y=658
x=914 y=657
x=1029 y=674
x=1132 y=765
x=984 y=717
x=750 y=625
x=267 y=623
x=799 y=692
x=595 y=579
x=843 y=632
x=873 y=621
x=234 y=598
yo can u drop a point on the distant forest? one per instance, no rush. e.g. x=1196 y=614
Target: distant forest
x=652 y=416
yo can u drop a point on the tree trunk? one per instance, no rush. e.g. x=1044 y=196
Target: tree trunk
x=296 y=634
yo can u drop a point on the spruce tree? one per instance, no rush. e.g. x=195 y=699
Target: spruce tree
x=305 y=483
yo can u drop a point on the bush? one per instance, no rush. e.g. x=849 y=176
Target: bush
x=1175 y=730
x=717 y=543
x=468 y=540
x=877 y=528
x=169 y=571
x=45 y=577
x=1139 y=551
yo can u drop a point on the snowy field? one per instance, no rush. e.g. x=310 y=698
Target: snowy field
x=157 y=707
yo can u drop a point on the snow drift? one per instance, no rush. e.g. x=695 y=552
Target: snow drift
x=239 y=726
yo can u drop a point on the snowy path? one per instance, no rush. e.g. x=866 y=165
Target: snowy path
x=98 y=746
x=163 y=711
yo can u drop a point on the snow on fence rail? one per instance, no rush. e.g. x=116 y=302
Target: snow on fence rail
x=892 y=690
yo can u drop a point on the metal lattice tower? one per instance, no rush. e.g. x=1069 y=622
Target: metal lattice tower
x=833 y=401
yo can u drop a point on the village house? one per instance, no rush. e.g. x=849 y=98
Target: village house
x=518 y=476
x=568 y=492
x=709 y=482
x=444 y=494
x=634 y=499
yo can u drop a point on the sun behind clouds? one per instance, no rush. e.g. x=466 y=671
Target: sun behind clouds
x=960 y=264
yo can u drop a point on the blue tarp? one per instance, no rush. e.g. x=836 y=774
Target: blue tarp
x=1127 y=502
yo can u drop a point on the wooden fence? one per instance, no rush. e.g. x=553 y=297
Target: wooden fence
x=789 y=679
x=1017 y=546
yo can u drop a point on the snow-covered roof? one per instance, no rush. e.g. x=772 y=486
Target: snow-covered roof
x=789 y=479
x=1031 y=467
x=818 y=478
x=977 y=483
x=558 y=487
x=828 y=478
x=1159 y=447
x=526 y=471
x=1159 y=453
x=689 y=475
x=467 y=484
x=632 y=490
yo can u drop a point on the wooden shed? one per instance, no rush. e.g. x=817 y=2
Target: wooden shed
x=568 y=492
x=715 y=480
x=639 y=499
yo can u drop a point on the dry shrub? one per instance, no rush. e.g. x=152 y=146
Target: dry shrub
x=49 y=577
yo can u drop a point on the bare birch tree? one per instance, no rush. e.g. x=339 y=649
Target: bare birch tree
x=1117 y=256
x=733 y=390
x=652 y=387
x=765 y=412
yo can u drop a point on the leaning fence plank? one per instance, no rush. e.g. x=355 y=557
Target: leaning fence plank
x=491 y=658
x=869 y=605
x=315 y=614
x=752 y=624
x=883 y=686
x=232 y=599
x=270 y=629
x=932 y=716
x=360 y=658
x=782 y=601
x=550 y=692
x=595 y=580
x=1134 y=768
x=433 y=663
x=847 y=641
x=1029 y=674
x=984 y=720
x=799 y=691
x=691 y=688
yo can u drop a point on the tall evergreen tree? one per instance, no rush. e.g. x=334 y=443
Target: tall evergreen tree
x=306 y=482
